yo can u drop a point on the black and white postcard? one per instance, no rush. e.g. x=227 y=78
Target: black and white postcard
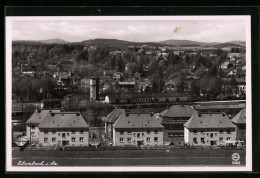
x=128 y=93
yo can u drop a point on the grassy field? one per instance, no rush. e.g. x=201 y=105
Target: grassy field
x=132 y=157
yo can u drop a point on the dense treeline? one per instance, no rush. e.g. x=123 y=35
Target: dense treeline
x=93 y=60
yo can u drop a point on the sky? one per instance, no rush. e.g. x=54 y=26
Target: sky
x=130 y=30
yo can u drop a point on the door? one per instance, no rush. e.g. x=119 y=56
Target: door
x=64 y=143
x=213 y=143
x=139 y=143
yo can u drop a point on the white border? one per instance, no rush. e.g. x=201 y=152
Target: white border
x=11 y=168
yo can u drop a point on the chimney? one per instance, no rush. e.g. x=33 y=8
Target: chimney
x=52 y=114
x=38 y=110
x=77 y=114
x=126 y=114
x=199 y=114
x=223 y=114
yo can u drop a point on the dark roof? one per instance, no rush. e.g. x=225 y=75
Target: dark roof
x=64 y=120
x=114 y=115
x=240 y=118
x=208 y=120
x=50 y=100
x=178 y=111
x=220 y=106
x=137 y=121
x=39 y=115
x=240 y=80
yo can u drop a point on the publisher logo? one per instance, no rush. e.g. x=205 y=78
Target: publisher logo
x=235 y=157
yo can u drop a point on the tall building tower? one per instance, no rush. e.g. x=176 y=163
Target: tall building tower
x=94 y=89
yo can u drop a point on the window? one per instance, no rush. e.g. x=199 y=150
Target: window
x=73 y=131
x=202 y=140
x=148 y=132
x=211 y=135
x=156 y=132
x=221 y=131
x=53 y=139
x=68 y=134
x=81 y=139
x=156 y=139
x=129 y=132
x=53 y=132
x=195 y=132
x=81 y=131
x=129 y=139
x=228 y=132
x=142 y=133
x=58 y=134
x=45 y=140
x=195 y=140
x=138 y=135
x=202 y=132
x=33 y=126
x=228 y=138
x=148 y=139
x=73 y=139
x=121 y=139
x=63 y=135
x=220 y=139
x=121 y=133
x=216 y=134
x=45 y=132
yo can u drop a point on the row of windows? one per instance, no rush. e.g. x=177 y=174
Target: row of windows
x=129 y=139
x=202 y=139
x=73 y=139
x=138 y=134
x=46 y=132
x=203 y=132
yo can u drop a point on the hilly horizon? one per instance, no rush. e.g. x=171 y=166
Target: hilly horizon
x=115 y=42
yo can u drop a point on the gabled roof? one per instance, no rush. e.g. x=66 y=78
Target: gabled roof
x=208 y=120
x=114 y=115
x=64 y=120
x=240 y=118
x=170 y=82
x=137 y=121
x=178 y=111
x=39 y=115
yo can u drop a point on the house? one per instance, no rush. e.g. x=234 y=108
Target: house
x=85 y=83
x=117 y=76
x=32 y=124
x=170 y=86
x=173 y=119
x=209 y=129
x=137 y=129
x=137 y=76
x=240 y=121
x=63 y=129
x=109 y=73
x=224 y=65
x=241 y=85
x=110 y=120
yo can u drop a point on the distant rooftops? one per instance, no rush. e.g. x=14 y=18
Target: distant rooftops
x=178 y=111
